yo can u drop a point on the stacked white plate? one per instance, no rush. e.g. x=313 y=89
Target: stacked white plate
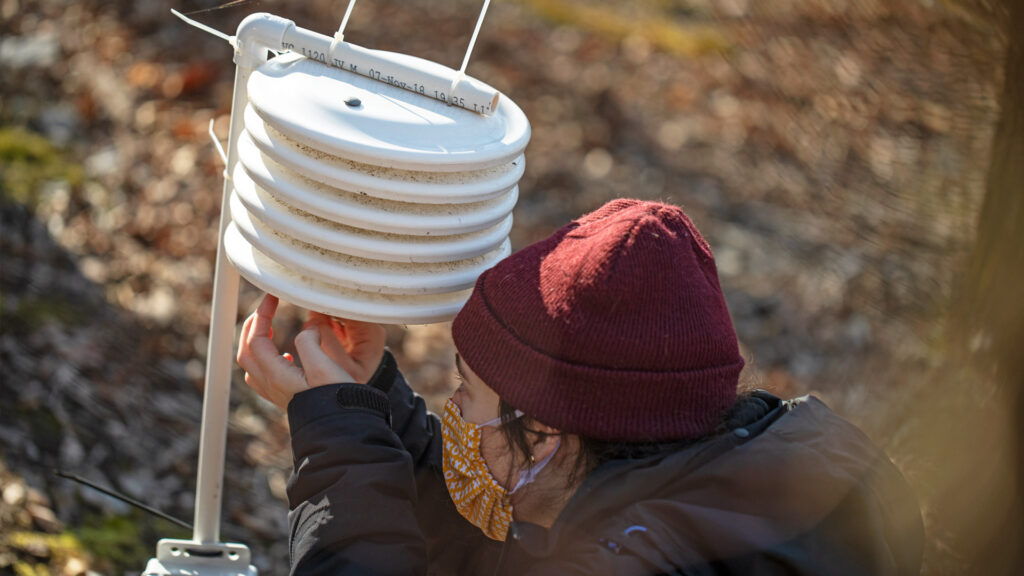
x=360 y=199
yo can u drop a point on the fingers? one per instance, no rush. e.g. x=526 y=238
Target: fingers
x=269 y=373
x=273 y=367
x=320 y=369
x=331 y=342
x=257 y=330
x=331 y=336
x=264 y=317
x=244 y=358
x=330 y=350
x=323 y=318
x=317 y=319
x=354 y=345
x=365 y=344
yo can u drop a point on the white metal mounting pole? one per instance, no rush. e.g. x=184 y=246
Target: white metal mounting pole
x=249 y=53
x=205 y=555
x=219 y=357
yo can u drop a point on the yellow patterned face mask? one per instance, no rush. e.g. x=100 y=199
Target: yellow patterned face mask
x=476 y=494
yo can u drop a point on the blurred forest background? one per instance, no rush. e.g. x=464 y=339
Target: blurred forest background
x=836 y=154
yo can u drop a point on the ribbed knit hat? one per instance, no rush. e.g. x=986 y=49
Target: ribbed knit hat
x=613 y=328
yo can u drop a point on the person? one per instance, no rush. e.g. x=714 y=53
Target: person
x=597 y=429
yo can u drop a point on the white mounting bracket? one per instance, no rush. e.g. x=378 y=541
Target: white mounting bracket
x=189 y=558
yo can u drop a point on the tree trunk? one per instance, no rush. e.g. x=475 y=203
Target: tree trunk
x=988 y=327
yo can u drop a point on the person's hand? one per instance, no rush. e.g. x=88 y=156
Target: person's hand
x=357 y=347
x=275 y=376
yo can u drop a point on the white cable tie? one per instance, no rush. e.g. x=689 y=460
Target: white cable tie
x=220 y=149
x=461 y=74
x=339 y=37
x=476 y=31
x=459 y=77
x=340 y=34
x=230 y=39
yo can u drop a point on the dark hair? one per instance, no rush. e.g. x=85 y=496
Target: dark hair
x=594 y=453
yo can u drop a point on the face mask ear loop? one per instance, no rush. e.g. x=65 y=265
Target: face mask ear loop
x=497 y=421
x=530 y=474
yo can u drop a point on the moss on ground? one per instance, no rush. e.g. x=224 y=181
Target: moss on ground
x=107 y=544
x=36 y=310
x=37 y=551
x=118 y=539
x=27 y=161
x=657 y=22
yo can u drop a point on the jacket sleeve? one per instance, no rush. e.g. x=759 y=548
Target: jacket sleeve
x=352 y=495
x=418 y=430
x=454 y=545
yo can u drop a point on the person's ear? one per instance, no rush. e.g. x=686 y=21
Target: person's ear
x=545 y=441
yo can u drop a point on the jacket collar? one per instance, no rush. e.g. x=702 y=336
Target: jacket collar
x=615 y=484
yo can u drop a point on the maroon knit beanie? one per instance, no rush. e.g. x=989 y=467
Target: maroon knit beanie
x=613 y=328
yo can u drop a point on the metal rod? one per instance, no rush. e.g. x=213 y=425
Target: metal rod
x=220 y=149
x=123 y=498
x=219 y=356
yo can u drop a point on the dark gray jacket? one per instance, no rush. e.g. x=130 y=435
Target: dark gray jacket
x=789 y=488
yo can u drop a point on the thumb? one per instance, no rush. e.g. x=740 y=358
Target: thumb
x=317 y=365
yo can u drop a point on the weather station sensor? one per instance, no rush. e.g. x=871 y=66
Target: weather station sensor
x=359 y=183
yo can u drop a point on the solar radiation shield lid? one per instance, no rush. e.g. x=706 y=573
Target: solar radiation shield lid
x=381 y=124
